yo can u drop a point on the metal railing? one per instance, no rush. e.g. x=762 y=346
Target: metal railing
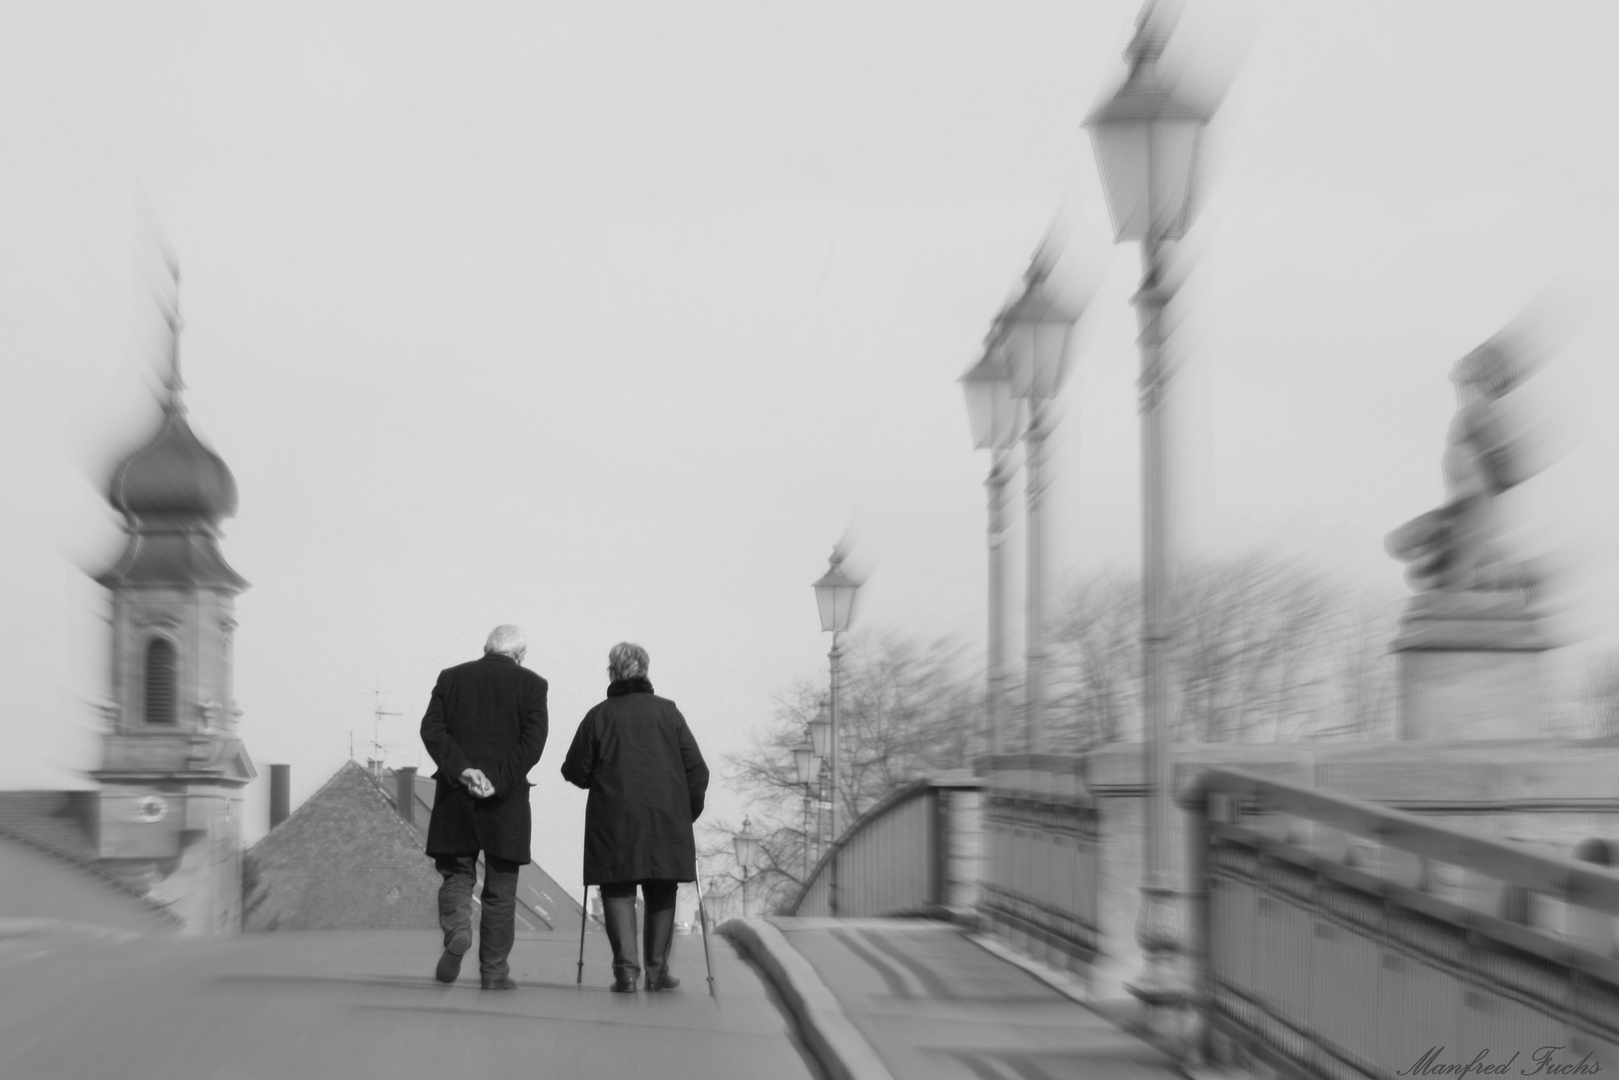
x=1340 y=938
x=906 y=855
x=1041 y=830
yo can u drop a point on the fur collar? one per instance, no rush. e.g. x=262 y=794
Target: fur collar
x=639 y=684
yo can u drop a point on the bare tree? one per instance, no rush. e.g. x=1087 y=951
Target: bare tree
x=1096 y=663
x=1264 y=649
x=905 y=710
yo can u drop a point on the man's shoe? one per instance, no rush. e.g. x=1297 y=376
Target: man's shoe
x=623 y=986
x=504 y=982
x=665 y=981
x=449 y=965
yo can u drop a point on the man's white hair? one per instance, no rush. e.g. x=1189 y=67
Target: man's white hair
x=507 y=640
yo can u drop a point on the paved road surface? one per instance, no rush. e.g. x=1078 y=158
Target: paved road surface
x=360 y=1004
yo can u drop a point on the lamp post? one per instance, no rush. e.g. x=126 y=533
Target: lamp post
x=834 y=594
x=809 y=771
x=1146 y=138
x=992 y=412
x=1032 y=336
x=747 y=850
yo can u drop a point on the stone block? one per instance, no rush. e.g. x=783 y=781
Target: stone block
x=1453 y=695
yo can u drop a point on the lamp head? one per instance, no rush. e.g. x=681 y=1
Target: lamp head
x=1146 y=137
x=992 y=411
x=746 y=844
x=820 y=733
x=834 y=594
x=807 y=764
x=1031 y=333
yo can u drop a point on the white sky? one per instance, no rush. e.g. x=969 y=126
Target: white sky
x=609 y=319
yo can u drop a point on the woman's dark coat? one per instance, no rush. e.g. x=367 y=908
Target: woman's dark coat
x=488 y=714
x=646 y=779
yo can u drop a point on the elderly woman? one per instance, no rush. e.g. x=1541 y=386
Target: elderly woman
x=646 y=778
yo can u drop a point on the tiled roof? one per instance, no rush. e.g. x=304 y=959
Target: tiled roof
x=342 y=860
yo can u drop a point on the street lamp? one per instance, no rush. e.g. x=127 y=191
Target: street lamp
x=747 y=850
x=1146 y=139
x=834 y=594
x=992 y=412
x=809 y=771
x=1032 y=336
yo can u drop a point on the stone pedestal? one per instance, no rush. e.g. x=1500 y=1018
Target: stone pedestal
x=1470 y=667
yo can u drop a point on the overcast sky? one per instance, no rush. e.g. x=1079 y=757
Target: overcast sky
x=608 y=319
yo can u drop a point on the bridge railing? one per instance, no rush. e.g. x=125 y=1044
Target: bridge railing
x=913 y=852
x=1041 y=884
x=1341 y=938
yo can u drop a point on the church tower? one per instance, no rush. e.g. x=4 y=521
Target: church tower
x=173 y=767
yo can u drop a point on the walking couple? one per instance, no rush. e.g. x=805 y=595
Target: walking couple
x=485 y=728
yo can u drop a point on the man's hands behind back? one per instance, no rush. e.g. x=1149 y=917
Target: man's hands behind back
x=477 y=783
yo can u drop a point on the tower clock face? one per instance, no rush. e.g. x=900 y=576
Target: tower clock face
x=153 y=808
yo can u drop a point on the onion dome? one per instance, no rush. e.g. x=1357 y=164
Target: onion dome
x=174 y=473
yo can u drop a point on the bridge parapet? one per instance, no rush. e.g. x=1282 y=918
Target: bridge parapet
x=1041 y=831
x=915 y=852
x=1342 y=938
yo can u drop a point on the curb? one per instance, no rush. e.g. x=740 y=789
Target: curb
x=12 y=928
x=842 y=1052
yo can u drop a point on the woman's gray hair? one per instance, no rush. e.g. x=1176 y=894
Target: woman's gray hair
x=507 y=640
x=626 y=661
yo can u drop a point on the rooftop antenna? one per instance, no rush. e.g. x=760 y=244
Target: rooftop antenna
x=376 y=729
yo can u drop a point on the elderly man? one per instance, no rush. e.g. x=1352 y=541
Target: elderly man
x=647 y=780
x=485 y=728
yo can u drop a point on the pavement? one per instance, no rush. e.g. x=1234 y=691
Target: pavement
x=888 y=999
x=78 y=1004
x=816 y=999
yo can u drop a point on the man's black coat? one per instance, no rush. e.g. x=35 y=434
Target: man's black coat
x=488 y=714
x=647 y=780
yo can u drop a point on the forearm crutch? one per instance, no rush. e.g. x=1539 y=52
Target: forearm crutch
x=702 y=920
x=584 y=917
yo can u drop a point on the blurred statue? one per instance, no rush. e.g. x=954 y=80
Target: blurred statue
x=1459 y=547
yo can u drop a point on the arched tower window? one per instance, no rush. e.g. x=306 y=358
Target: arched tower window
x=161 y=681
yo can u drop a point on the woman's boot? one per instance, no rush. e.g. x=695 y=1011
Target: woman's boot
x=659 y=933
x=618 y=914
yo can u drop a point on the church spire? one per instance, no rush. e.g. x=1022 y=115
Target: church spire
x=173 y=403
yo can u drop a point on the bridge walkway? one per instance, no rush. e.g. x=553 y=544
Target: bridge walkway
x=79 y=1004
x=890 y=999
x=799 y=999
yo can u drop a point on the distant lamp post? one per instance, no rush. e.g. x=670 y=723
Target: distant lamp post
x=1146 y=138
x=809 y=771
x=834 y=594
x=1032 y=336
x=820 y=734
x=992 y=412
x=747 y=851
